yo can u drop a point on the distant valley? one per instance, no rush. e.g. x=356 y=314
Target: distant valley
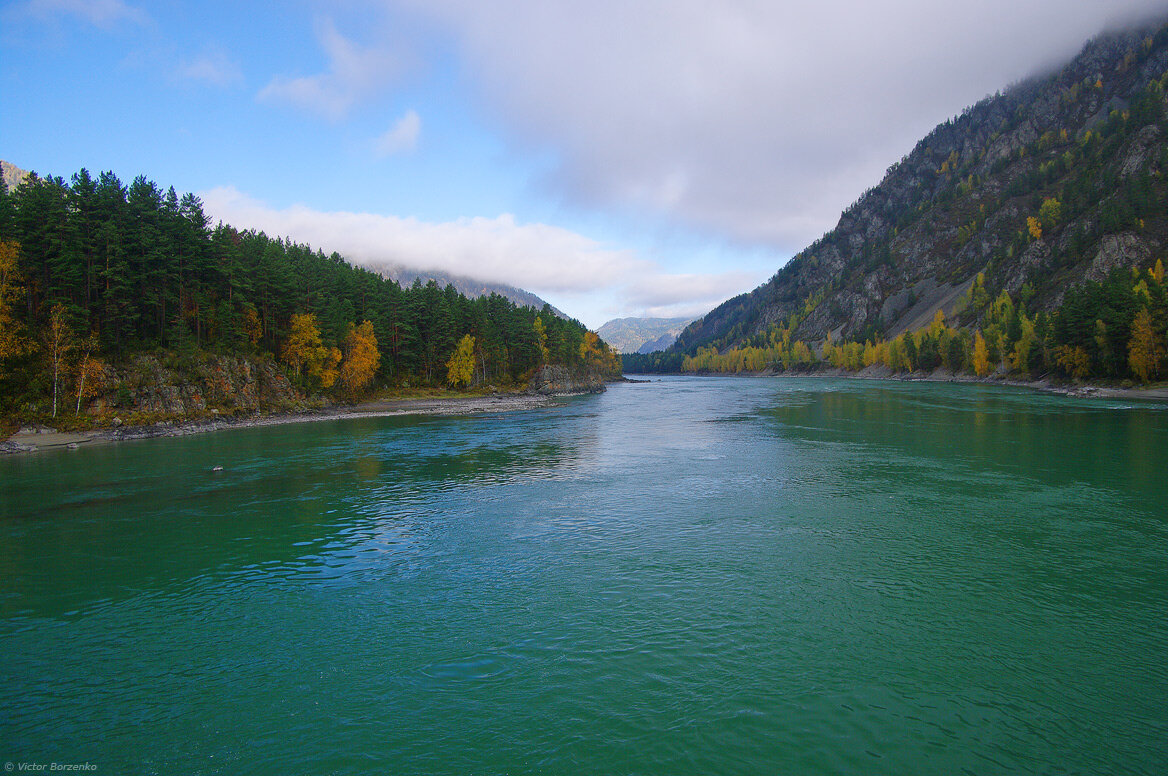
x=642 y=335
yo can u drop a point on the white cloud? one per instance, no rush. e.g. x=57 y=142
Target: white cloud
x=354 y=72
x=401 y=137
x=499 y=249
x=213 y=67
x=758 y=120
x=101 y=13
x=593 y=280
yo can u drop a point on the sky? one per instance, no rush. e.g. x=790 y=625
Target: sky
x=618 y=159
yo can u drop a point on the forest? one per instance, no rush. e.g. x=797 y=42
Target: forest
x=93 y=272
x=1111 y=329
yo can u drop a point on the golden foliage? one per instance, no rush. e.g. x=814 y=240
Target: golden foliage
x=1050 y=213
x=1145 y=351
x=1074 y=360
x=596 y=354
x=12 y=341
x=303 y=348
x=328 y=370
x=460 y=367
x=981 y=356
x=90 y=375
x=1035 y=227
x=540 y=338
x=361 y=358
x=253 y=328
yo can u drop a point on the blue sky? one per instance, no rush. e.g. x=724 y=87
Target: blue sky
x=617 y=158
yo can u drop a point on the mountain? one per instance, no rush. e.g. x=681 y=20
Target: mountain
x=642 y=335
x=466 y=286
x=1036 y=192
x=12 y=175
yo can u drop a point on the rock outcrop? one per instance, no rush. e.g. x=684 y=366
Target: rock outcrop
x=562 y=381
x=206 y=385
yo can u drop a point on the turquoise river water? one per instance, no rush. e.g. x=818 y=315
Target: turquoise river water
x=689 y=576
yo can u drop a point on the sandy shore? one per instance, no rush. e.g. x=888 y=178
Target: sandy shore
x=32 y=440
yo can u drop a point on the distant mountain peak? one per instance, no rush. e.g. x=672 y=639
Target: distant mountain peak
x=12 y=175
x=642 y=335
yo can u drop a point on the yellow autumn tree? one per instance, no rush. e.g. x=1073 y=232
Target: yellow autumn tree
x=1035 y=227
x=1074 y=360
x=303 y=349
x=596 y=354
x=460 y=367
x=253 y=328
x=329 y=370
x=12 y=340
x=540 y=338
x=361 y=358
x=1050 y=213
x=90 y=372
x=1145 y=351
x=981 y=356
x=590 y=350
x=1157 y=272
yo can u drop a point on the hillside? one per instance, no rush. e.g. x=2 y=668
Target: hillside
x=117 y=298
x=642 y=335
x=1041 y=191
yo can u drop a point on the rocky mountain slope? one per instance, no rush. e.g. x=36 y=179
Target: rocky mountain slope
x=642 y=335
x=1057 y=180
x=11 y=175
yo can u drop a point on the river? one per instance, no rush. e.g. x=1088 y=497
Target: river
x=692 y=575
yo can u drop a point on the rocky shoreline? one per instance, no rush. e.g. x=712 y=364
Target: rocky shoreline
x=941 y=375
x=33 y=439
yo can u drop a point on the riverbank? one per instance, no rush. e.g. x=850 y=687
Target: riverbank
x=1045 y=384
x=33 y=439
x=1158 y=392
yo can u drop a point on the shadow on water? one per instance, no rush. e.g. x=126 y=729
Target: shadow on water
x=1057 y=440
x=301 y=502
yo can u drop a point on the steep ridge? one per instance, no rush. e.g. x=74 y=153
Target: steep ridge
x=1055 y=181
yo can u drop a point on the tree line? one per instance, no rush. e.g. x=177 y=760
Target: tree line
x=1116 y=328
x=112 y=270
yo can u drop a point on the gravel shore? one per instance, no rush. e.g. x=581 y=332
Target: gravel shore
x=29 y=440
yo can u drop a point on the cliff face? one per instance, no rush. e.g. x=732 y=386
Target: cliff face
x=561 y=381
x=209 y=385
x=1055 y=181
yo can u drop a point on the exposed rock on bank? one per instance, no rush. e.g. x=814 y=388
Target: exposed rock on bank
x=561 y=381
x=207 y=385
